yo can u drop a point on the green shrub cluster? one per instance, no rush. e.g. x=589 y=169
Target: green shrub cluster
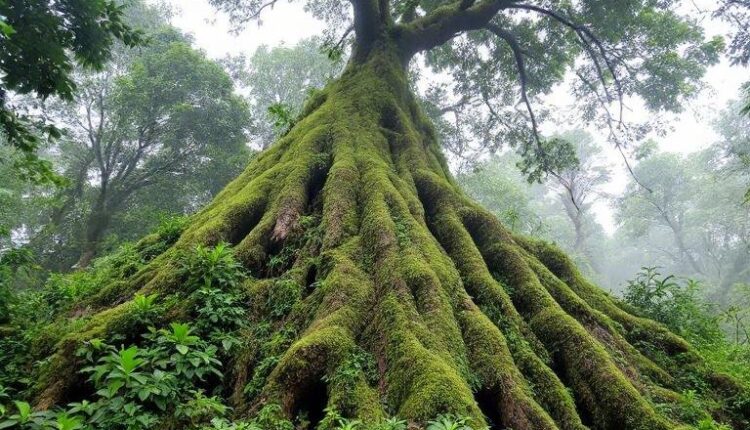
x=679 y=305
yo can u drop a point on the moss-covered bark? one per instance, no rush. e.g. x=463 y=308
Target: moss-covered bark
x=360 y=243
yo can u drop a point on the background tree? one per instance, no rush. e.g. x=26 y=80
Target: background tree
x=578 y=187
x=693 y=222
x=547 y=210
x=158 y=118
x=734 y=130
x=278 y=80
x=74 y=32
x=666 y=207
x=501 y=188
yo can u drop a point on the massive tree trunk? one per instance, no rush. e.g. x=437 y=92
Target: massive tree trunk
x=461 y=315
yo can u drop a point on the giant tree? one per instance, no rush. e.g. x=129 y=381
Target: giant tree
x=359 y=243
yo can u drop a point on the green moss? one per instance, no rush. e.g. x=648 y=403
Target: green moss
x=420 y=383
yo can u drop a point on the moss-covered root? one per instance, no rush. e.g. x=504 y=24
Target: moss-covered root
x=404 y=298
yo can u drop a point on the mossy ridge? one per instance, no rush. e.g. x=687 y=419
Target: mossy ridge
x=404 y=268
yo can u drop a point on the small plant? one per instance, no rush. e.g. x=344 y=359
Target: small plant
x=262 y=370
x=280 y=262
x=331 y=418
x=346 y=424
x=402 y=233
x=709 y=424
x=274 y=344
x=676 y=304
x=220 y=314
x=170 y=227
x=270 y=417
x=224 y=424
x=200 y=408
x=212 y=267
x=393 y=423
x=449 y=422
x=282 y=116
x=145 y=307
x=139 y=385
x=25 y=417
x=359 y=364
x=144 y=304
x=282 y=296
x=192 y=357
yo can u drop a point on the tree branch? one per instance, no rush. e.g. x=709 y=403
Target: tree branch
x=515 y=46
x=445 y=22
x=587 y=37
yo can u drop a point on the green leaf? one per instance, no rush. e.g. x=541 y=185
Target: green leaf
x=6 y=29
x=144 y=394
x=65 y=422
x=113 y=387
x=24 y=410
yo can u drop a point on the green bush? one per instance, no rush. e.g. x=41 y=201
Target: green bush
x=675 y=303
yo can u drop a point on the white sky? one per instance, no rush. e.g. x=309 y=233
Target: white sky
x=288 y=23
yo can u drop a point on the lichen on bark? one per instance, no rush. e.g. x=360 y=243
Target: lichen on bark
x=460 y=315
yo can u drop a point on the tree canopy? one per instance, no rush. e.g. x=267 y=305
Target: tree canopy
x=277 y=81
x=505 y=55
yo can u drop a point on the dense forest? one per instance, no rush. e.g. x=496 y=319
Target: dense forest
x=392 y=224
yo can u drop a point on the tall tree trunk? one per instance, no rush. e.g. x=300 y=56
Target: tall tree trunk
x=96 y=225
x=461 y=315
x=684 y=251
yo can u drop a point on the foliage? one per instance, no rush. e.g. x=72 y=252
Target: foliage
x=502 y=190
x=212 y=266
x=278 y=80
x=73 y=33
x=449 y=422
x=392 y=423
x=33 y=319
x=735 y=143
x=11 y=262
x=737 y=14
x=357 y=365
x=164 y=375
x=282 y=117
x=213 y=276
x=676 y=304
x=142 y=136
x=690 y=218
x=559 y=210
x=681 y=308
